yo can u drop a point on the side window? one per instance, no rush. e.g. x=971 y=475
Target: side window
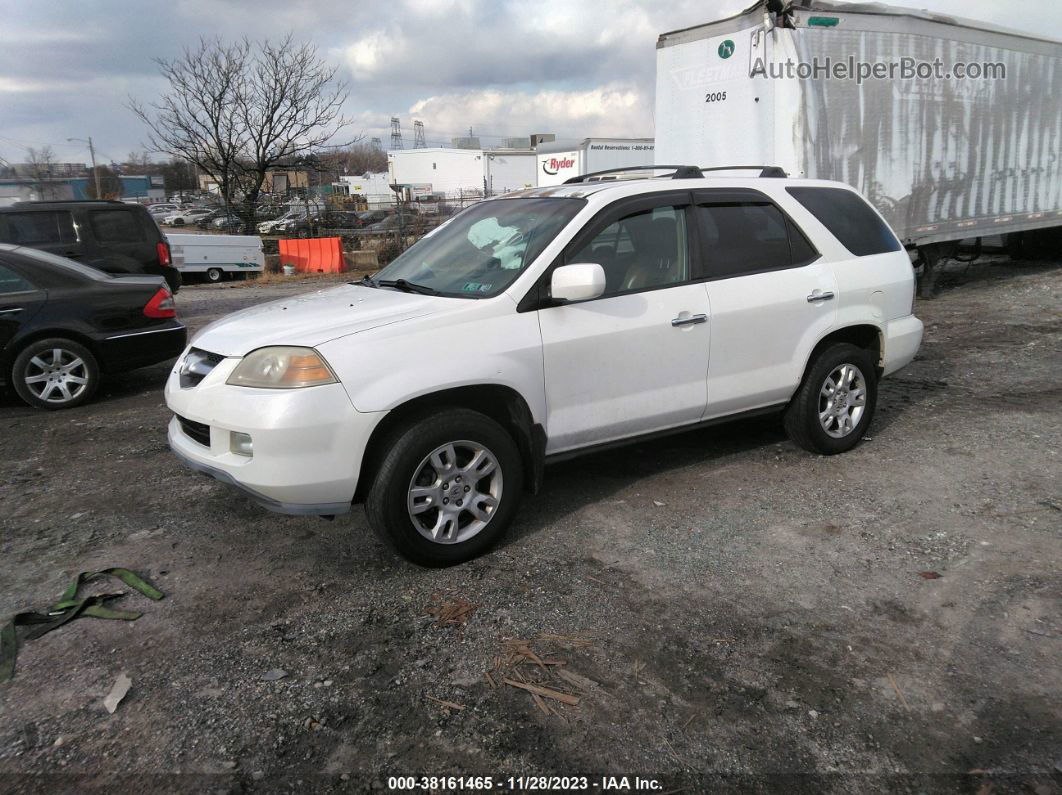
x=37 y=228
x=640 y=251
x=799 y=246
x=11 y=282
x=849 y=219
x=740 y=238
x=115 y=226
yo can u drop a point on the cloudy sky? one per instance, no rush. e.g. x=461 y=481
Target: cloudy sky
x=503 y=67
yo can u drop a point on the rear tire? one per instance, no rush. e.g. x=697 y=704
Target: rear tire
x=214 y=275
x=55 y=373
x=835 y=402
x=454 y=456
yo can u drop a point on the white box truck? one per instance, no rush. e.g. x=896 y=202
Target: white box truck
x=953 y=130
x=559 y=160
x=213 y=256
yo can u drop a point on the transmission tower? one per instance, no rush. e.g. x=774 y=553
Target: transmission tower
x=396 y=133
x=418 y=135
x=377 y=144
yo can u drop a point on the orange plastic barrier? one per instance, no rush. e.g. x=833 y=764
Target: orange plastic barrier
x=313 y=255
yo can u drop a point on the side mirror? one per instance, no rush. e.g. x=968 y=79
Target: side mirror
x=579 y=282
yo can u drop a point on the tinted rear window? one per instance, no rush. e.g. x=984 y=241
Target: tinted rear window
x=29 y=258
x=116 y=226
x=849 y=219
x=741 y=238
x=37 y=228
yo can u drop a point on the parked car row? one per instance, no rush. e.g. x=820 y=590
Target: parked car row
x=602 y=312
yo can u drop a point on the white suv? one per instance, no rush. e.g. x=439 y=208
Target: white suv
x=546 y=323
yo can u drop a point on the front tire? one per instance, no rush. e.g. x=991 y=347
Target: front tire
x=214 y=275
x=55 y=373
x=447 y=487
x=835 y=402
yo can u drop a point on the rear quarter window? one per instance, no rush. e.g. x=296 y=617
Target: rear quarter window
x=12 y=282
x=848 y=218
x=116 y=226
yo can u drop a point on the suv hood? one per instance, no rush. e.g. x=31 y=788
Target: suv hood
x=312 y=319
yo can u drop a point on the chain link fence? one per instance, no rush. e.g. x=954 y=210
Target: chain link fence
x=373 y=229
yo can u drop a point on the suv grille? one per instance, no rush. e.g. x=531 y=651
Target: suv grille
x=197 y=365
x=196 y=431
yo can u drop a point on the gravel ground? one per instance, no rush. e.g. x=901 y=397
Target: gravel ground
x=748 y=616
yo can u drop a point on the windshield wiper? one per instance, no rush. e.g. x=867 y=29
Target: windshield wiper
x=408 y=287
x=366 y=281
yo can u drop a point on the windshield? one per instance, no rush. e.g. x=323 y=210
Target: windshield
x=479 y=252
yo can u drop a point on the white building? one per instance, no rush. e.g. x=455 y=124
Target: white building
x=376 y=188
x=457 y=173
x=437 y=171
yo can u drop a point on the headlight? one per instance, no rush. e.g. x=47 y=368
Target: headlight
x=282 y=367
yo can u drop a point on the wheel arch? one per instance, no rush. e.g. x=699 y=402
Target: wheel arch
x=9 y=356
x=501 y=403
x=863 y=335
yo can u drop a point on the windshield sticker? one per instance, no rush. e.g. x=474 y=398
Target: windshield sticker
x=477 y=287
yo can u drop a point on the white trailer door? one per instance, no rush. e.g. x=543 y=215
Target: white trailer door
x=634 y=360
x=709 y=111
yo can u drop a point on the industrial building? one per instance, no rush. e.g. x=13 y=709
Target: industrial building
x=143 y=188
x=452 y=173
x=375 y=189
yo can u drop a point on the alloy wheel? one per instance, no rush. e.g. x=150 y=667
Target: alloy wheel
x=842 y=400
x=455 y=492
x=56 y=376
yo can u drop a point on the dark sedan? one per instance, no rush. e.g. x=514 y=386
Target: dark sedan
x=64 y=325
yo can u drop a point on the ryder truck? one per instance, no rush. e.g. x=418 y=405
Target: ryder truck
x=953 y=130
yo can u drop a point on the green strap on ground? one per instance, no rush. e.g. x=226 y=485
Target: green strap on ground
x=67 y=609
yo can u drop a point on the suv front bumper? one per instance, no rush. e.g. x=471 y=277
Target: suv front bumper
x=308 y=443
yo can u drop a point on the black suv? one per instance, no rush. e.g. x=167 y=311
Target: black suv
x=113 y=236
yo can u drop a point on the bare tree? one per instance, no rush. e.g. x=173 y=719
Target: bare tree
x=200 y=119
x=291 y=106
x=238 y=110
x=355 y=160
x=41 y=167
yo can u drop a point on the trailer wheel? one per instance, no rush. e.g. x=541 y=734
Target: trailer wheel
x=931 y=256
x=214 y=274
x=1015 y=243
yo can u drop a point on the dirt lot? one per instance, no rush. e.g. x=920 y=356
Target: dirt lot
x=750 y=616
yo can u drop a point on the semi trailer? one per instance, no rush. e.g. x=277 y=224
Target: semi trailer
x=951 y=128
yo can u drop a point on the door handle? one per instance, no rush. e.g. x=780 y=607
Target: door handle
x=12 y=311
x=691 y=320
x=820 y=296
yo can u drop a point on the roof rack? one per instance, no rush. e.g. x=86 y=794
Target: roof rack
x=681 y=172
x=765 y=171
x=38 y=202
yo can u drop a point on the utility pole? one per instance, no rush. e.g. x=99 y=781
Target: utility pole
x=418 y=135
x=92 y=154
x=396 y=133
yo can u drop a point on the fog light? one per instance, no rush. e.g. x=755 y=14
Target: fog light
x=241 y=444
